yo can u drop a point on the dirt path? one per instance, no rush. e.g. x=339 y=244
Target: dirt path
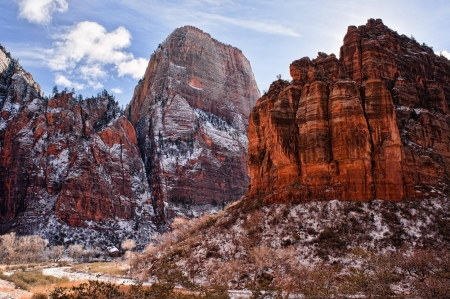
x=76 y=276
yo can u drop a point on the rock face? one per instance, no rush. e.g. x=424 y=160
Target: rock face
x=66 y=162
x=66 y=151
x=191 y=112
x=16 y=87
x=372 y=124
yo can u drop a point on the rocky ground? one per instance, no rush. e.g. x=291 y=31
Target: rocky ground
x=8 y=291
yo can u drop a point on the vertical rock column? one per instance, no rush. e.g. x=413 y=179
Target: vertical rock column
x=314 y=139
x=273 y=140
x=387 y=153
x=351 y=142
x=351 y=55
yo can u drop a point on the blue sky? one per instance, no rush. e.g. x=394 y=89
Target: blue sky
x=91 y=44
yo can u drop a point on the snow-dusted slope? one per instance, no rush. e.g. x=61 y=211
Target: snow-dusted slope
x=308 y=235
x=16 y=87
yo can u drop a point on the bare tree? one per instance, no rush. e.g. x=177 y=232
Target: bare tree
x=56 y=253
x=24 y=249
x=128 y=245
x=76 y=252
x=31 y=248
x=260 y=257
x=8 y=248
x=317 y=282
x=374 y=277
x=428 y=272
x=180 y=228
x=130 y=256
x=284 y=264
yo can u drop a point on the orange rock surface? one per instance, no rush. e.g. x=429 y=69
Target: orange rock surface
x=372 y=124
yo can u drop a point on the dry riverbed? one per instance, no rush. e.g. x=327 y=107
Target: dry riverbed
x=106 y=272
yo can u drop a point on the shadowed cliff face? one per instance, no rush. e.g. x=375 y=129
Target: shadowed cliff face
x=78 y=160
x=372 y=124
x=191 y=112
x=70 y=170
x=65 y=162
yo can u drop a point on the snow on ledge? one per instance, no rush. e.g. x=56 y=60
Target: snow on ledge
x=198 y=88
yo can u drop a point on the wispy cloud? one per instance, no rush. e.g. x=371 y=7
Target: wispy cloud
x=264 y=27
x=40 y=11
x=205 y=13
x=95 y=85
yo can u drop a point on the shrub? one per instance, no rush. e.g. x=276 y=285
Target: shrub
x=93 y=289
x=128 y=244
x=27 y=280
x=106 y=290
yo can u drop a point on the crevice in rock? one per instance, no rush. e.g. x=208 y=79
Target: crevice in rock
x=372 y=153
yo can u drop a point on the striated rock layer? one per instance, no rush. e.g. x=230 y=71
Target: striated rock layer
x=372 y=124
x=66 y=162
x=79 y=158
x=191 y=112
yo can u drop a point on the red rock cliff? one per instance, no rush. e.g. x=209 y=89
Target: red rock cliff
x=70 y=169
x=78 y=159
x=191 y=114
x=372 y=124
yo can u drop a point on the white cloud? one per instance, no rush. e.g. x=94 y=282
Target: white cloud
x=89 y=41
x=88 y=52
x=117 y=90
x=444 y=53
x=65 y=82
x=92 y=71
x=135 y=68
x=41 y=11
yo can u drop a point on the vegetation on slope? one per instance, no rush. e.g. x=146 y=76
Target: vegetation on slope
x=318 y=249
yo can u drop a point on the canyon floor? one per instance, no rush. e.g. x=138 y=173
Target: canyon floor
x=111 y=272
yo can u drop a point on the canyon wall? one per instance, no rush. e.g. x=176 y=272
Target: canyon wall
x=191 y=112
x=372 y=124
x=66 y=161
